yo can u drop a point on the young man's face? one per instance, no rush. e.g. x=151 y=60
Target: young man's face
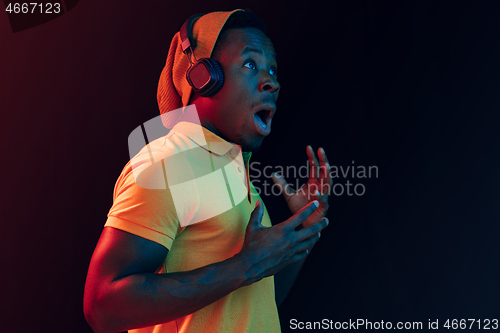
x=241 y=112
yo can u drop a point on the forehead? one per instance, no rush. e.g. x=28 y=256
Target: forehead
x=248 y=40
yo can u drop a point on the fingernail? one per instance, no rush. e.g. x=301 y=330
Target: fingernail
x=316 y=203
x=316 y=192
x=277 y=175
x=328 y=166
x=327 y=221
x=319 y=234
x=322 y=150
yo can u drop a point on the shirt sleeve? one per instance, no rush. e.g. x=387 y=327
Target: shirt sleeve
x=144 y=211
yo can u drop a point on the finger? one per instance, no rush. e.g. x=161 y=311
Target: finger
x=316 y=195
x=302 y=215
x=256 y=216
x=308 y=244
x=299 y=257
x=323 y=199
x=322 y=156
x=325 y=168
x=285 y=188
x=312 y=230
x=313 y=162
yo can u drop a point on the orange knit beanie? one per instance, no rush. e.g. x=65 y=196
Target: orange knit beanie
x=173 y=89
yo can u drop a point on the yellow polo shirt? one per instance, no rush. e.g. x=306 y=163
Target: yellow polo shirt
x=190 y=192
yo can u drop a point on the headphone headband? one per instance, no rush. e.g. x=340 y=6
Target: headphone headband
x=186 y=32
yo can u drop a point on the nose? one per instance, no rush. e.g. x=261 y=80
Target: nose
x=269 y=83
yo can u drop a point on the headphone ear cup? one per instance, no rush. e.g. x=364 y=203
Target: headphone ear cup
x=205 y=76
x=220 y=78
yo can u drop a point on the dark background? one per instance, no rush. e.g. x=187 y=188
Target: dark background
x=411 y=87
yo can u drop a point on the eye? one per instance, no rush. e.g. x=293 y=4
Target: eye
x=273 y=71
x=250 y=65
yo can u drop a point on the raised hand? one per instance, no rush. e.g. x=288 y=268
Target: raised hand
x=318 y=187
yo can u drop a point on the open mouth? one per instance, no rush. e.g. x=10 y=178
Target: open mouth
x=262 y=118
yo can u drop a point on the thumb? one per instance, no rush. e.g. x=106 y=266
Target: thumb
x=285 y=188
x=256 y=216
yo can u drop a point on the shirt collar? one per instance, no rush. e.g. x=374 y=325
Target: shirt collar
x=204 y=138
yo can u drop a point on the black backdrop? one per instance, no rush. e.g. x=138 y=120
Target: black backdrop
x=409 y=87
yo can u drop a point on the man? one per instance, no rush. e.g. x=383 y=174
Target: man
x=203 y=258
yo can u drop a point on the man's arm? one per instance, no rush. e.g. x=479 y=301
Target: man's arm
x=284 y=280
x=317 y=188
x=122 y=292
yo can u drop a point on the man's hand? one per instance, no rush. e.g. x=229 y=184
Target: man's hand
x=267 y=250
x=317 y=188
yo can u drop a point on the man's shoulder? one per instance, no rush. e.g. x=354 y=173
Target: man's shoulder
x=148 y=168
